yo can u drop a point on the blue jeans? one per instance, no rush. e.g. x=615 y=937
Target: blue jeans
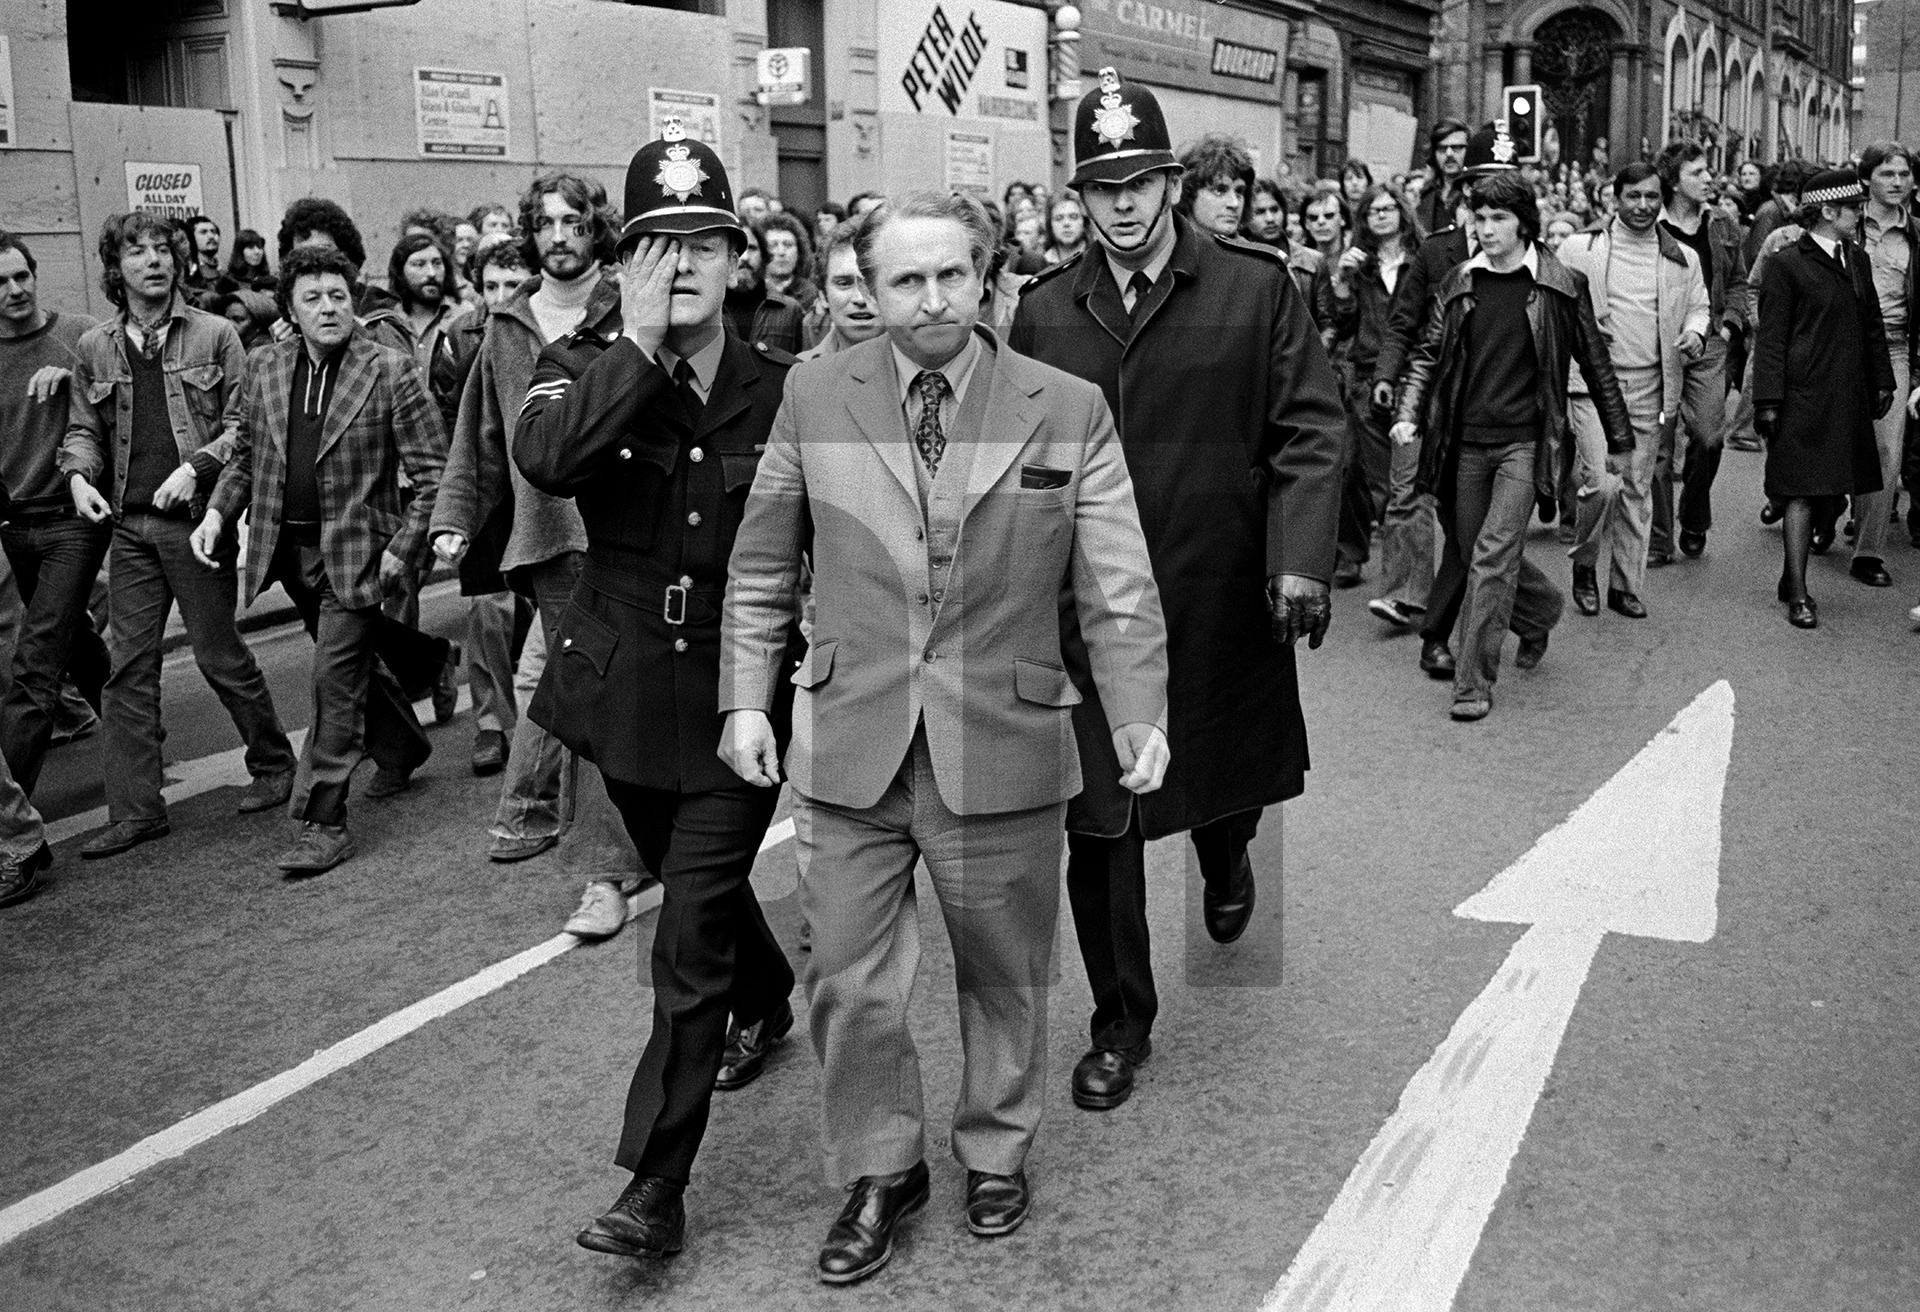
x=55 y=562
x=153 y=567
x=1493 y=506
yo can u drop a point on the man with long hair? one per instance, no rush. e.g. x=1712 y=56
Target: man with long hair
x=154 y=394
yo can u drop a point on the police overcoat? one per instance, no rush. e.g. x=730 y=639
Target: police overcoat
x=1234 y=434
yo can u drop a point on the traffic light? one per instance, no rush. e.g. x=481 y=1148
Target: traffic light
x=1523 y=109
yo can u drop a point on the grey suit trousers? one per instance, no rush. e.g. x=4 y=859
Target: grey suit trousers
x=998 y=881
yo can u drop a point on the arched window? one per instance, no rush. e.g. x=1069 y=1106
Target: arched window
x=1733 y=110
x=1679 y=83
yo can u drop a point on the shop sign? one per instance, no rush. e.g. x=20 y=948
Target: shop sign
x=962 y=58
x=1192 y=44
x=698 y=112
x=969 y=162
x=784 y=74
x=460 y=113
x=8 y=132
x=170 y=190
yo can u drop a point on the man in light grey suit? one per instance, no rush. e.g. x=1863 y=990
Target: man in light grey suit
x=948 y=490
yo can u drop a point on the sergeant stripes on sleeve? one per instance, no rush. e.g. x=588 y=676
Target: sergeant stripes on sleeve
x=544 y=392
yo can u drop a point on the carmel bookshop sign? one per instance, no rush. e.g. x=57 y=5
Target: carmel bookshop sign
x=1192 y=44
x=963 y=59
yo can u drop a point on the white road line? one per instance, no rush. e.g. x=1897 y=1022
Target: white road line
x=1642 y=857
x=203 y=774
x=183 y=1136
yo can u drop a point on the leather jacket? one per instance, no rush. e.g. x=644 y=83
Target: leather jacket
x=1560 y=313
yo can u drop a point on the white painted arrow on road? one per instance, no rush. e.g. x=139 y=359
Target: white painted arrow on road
x=1642 y=857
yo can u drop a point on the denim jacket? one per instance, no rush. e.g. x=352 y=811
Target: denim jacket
x=204 y=366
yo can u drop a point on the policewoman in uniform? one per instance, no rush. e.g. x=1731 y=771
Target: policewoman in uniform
x=1235 y=437
x=654 y=426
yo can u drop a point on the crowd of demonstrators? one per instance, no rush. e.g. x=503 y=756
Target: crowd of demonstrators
x=625 y=431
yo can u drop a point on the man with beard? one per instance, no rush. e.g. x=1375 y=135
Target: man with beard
x=1447 y=158
x=203 y=277
x=756 y=314
x=1239 y=498
x=422 y=277
x=569 y=237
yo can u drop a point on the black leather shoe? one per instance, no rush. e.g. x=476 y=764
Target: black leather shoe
x=1436 y=659
x=1348 y=575
x=1802 y=615
x=388 y=783
x=747 y=1049
x=20 y=880
x=861 y=1241
x=1691 y=543
x=1771 y=512
x=123 y=836
x=1227 y=911
x=1530 y=652
x=265 y=793
x=1658 y=560
x=997 y=1204
x=1103 y=1079
x=649 y=1219
x=1586 y=589
x=1622 y=602
x=1870 y=572
x=1820 y=540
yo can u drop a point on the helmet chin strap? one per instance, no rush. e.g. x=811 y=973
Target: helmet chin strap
x=1166 y=195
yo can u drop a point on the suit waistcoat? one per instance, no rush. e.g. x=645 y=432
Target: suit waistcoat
x=943 y=497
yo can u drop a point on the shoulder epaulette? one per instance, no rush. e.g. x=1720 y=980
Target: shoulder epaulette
x=1246 y=247
x=1438 y=233
x=1054 y=270
x=784 y=358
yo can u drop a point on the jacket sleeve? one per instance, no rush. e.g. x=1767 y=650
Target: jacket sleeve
x=763 y=575
x=1699 y=318
x=1403 y=320
x=233 y=493
x=1734 y=314
x=1879 y=367
x=571 y=426
x=1779 y=297
x=1596 y=363
x=1420 y=369
x=210 y=459
x=456 y=508
x=1114 y=594
x=1304 y=444
x=84 y=449
x=421 y=438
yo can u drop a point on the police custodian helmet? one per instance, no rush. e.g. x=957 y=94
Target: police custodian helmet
x=1119 y=133
x=676 y=187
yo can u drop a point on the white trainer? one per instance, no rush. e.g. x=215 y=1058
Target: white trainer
x=602 y=912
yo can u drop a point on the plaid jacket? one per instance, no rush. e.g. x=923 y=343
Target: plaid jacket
x=379 y=421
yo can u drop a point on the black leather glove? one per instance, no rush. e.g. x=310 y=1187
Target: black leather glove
x=1882 y=401
x=1305 y=614
x=1766 y=419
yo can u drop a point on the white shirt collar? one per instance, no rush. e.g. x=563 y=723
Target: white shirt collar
x=959 y=370
x=1153 y=268
x=1530 y=261
x=705 y=362
x=1828 y=244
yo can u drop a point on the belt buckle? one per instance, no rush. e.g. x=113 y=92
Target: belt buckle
x=675 y=611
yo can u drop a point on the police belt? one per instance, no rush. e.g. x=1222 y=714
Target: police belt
x=676 y=598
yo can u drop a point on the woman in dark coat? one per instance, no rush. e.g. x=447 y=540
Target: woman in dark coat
x=1821 y=375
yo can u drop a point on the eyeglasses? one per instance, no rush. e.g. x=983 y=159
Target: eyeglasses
x=1383 y=211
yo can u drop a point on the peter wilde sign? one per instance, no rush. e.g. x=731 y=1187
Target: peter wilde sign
x=1192 y=44
x=962 y=59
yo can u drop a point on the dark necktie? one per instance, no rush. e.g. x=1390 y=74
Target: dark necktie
x=1140 y=284
x=683 y=385
x=930 y=388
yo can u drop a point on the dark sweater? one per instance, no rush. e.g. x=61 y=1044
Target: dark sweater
x=31 y=431
x=1503 y=373
x=310 y=395
x=152 y=454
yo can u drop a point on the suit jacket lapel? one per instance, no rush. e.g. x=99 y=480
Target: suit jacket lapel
x=727 y=399
x=876 y=411
x=350 y=391
x=1011 y=416
x=277 y=384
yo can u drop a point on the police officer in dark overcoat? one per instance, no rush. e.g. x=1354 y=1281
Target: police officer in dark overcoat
x=1234 y=433
x=654 y=427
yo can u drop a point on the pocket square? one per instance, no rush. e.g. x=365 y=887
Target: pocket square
x=1039 y=476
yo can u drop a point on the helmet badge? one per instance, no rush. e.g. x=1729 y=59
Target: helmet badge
x=680 y=174
x=1114 y=121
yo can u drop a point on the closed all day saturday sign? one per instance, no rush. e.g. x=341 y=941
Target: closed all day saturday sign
x=169 y=190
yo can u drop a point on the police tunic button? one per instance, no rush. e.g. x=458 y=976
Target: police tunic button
x=626 y=453
x=693 y=518
x=932 y=656
x=762 y=346
x=679 y=644
x=566 y=642
x=696 y=455
x=686 y=580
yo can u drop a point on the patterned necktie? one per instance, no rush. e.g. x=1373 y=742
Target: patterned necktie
x=1140 y=284
x=930 y=388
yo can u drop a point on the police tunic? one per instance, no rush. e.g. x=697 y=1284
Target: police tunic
x=661 y=483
